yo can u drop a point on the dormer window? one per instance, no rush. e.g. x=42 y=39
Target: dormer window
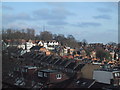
x=45 y=74
x=117 y=74
x=24 y=70
x=40 y=74
x=16 y=69
x=58 y=76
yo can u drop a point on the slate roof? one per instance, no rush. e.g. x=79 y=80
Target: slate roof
x=71 y=65
x=64 y=62
x=79 y=67
x=35 y=48
x=83 y=83
x=49 y=70
x=100 y=85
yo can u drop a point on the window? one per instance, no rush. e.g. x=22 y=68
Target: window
x=115 y=74
x=119 y=81
x=83 y=84
x=45 y=74
x=118 y=74
x=58 y=76
x=40 y=74
x=24 y=70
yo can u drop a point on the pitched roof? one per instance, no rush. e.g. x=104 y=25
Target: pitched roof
x=49 y=70
x=35 y=48
x=84 y=83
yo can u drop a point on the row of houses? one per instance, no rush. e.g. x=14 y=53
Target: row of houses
x=64 y=50
x=40 y=71
x=26 y=45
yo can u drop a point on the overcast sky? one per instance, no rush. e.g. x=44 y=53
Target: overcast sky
x=93 y=21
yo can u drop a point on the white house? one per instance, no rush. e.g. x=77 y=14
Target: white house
x=41 y=43
x=50 y=45
x=28 y=45
x=56 y=43
x=53 y=43
x=45 y=44
x=22 y=46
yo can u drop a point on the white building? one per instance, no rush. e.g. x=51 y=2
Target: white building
x=41 y=43
x=107 y=76
x=53 y=43
x=45 y=44
x=22 y=46
x=50 y=45
x=56 y=43
x=28 y=45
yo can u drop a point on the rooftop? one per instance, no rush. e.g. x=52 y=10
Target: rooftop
x=49 y=71
x=30 y=67
x=108 y=70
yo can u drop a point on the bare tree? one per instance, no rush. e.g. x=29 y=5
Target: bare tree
x=46 y=36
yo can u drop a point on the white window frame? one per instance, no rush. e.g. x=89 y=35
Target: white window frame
x=40 y=74
x=59 y=76
x=116 y=75
x=45 y=74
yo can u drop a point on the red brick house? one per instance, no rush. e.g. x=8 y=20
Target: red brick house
x=52 y=76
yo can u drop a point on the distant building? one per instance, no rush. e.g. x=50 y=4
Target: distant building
x=4 y=45
x=50 y=45
x=28 y=45
x=93 y=54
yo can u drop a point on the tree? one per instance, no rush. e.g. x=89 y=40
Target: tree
x=60 y=38
x=87 y=52
x=18 y=34
x=84 y=41
x=112 y=43
x=37 y=37
x=71 y=41
x=74 y=53
x=54 y=36
x=30 y=33
x=70 y=37
x=46 y=36
x=101 y=53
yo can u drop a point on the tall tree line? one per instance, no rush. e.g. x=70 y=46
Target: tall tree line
x=45 y=36
x=18 y=34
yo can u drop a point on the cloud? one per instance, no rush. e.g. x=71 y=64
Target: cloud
x=14 y=25
x=88 y=24
x=57 y=23
x=20 y=25
x=112 y=30
x=7 y=7
x=104 y=10
x=55 y=29
x=53 y=14
x=107 y=17
x=12 y=18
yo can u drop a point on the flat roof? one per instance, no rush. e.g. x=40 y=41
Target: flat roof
x=107 y=70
